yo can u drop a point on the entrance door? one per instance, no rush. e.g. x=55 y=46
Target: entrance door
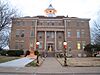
x=50 y=47
x=50 y=50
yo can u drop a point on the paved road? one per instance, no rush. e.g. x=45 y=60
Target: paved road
x=17 y=63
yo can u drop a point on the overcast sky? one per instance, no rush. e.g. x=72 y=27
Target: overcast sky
x=73 y=8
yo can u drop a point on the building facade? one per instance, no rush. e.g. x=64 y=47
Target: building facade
x=51 y=31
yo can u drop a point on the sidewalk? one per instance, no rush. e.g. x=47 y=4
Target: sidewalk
x=17 y=63
x=50 y=67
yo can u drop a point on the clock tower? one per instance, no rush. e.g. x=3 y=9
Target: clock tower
x=50 y=11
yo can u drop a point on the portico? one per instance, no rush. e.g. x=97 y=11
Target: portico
x=49 y=39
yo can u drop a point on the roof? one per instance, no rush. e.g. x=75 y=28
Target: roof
x=50 y=7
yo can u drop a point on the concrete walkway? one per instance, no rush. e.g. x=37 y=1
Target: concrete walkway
x=18 y=62
x=50 y=65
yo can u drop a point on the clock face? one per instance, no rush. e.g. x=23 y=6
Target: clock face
x=50 y=11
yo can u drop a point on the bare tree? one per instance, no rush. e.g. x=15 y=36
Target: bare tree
x=6 y=13
x=96 y=32
x=4 y=38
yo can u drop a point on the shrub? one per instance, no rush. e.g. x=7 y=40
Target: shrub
x=15 y=52
x=33 y=63
x=27 y=53
x=36 y=52
x=3 y=52
x=1 y=49
x=91 y=49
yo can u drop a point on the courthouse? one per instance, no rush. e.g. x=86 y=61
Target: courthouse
x=51 y=31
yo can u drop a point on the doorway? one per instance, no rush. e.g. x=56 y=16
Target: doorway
x=50 y=47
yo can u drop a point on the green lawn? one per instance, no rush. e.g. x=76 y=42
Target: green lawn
x=88 y=61
x=7 y=58
x=31 y=64
x=34 y=64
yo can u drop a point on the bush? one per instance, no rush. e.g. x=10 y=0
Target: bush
x=1 y=49
x=3 y=52
x=92 y=49
x=36 y=52
x=15 y=52
x=33 y=63
x=27 y=53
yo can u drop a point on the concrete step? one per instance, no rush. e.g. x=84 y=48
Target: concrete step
x=50 y=54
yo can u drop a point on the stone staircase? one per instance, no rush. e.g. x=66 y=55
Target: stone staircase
x=50 y=54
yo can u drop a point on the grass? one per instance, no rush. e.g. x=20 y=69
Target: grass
x=32 y=64
x=7 y=58
x=89 y=61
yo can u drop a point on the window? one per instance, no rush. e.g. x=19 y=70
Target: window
x=50 y=34
x=22 y=45
x=47 y=23
x=59 y=45
x=78 y=34
x=19 y=45
x=40 y=37
x=83 y=44
x=69 y=34
x=16 y=45
x=78 y=45
x=22 y=33
x=40 y=23
x=69 y=44
x=40 y=34
x=37 y=22
x=47 y=36
x=40 y=46
x=59 y=23
x=52 y=23
x=23 y=23
x=32 y=33
x=59 y=37
x=31 y=44
x=68 y=22
x=17 y=33
x=83 y=33
x=18 y=22
x=33 y=23
x=78 y=24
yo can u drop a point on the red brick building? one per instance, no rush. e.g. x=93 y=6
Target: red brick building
x=50 y=31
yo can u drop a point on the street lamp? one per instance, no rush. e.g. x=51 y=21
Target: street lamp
x=65 y=59
x=37 y=45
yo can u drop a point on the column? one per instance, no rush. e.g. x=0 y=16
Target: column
x=65 y=30
x=45 y=41
x=55 y=42
x=35 y=35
